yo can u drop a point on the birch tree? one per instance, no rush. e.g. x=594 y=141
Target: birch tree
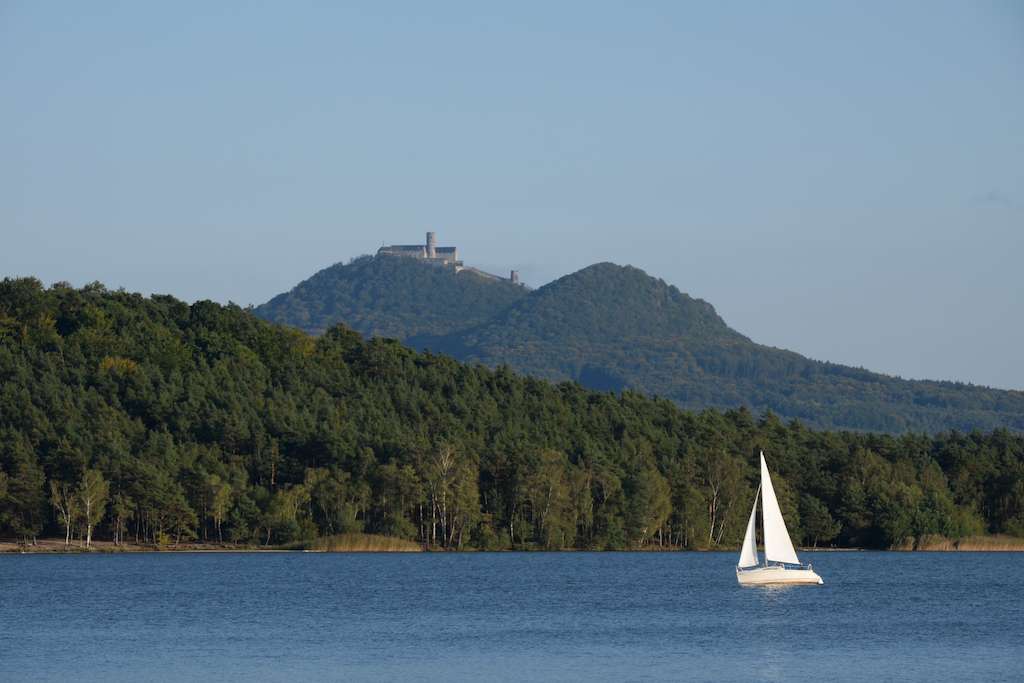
x=722 y=475
x=440 y=472
x=62 y=497
x=220 y=501
x=92 y=492
x=648 y=505
x=548 y=491
x=123 y=511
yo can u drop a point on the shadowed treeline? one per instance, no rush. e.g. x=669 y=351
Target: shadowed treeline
x=150 y=420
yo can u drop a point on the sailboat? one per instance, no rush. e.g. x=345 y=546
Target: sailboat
x=781 y=565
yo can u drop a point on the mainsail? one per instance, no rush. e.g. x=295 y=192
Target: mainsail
x=748 y=556
x=777 y=546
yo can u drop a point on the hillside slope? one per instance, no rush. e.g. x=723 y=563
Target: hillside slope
x=615 y=327
x=611 y=327
x=388 y=296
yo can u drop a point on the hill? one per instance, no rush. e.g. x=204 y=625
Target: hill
x=615 y=327
x=611 y=327
x=146 y=418
x=390 y=296
x=596 y=326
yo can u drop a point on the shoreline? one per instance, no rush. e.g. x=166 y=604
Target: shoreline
x=50 y=546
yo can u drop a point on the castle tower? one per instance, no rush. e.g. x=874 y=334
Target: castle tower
x=431 y=245
x=514 y=277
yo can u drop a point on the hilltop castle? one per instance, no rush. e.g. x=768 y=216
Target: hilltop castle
x=440 y=256
x=443 y=256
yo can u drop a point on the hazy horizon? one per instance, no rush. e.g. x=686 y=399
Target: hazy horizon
x=844 y=182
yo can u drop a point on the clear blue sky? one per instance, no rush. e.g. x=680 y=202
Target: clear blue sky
x=842 y=179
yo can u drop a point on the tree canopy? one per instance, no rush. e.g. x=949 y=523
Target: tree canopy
x=610 y=327
x=391 y=296
x=123 y=417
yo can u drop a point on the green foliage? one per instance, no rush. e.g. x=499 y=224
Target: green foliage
x=204 y=422
x=23 y=506
x=648 y=504
x=390 y=296
x=92 y=494
x=818 y=524
x=611 y=328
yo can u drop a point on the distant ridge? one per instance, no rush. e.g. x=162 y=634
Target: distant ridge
x=614 y=327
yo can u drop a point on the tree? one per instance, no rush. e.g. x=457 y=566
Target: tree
x=64 y=501
x=399 y=490
x=220 y=501
x=609 y=499
x=818 y=525
x=181 y=518
x=336 y=500
x=440 y=473
x=23 y=509
x=465 y=504
x=581 y=501
x=649 y=503
x=123 y=510
x=724 y=486
x=283 y=515
x=92 y=495
x=689 y=518
x=156 y=395
x=548 y=490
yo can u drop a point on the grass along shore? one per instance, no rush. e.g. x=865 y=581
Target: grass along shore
x=373 y=543
x=936 y=543
x=344 y=543
x=360 y=543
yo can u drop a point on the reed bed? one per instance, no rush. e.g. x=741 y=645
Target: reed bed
x=936 y=543
x=362 y=543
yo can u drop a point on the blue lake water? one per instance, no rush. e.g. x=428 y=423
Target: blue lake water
x=512 y=616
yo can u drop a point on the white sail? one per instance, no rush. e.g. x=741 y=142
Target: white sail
x=777 y=546
x=748 y=556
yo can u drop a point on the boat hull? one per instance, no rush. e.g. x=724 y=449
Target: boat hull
x=773 y=576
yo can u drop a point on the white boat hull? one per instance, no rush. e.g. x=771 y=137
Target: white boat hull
x=769 y=576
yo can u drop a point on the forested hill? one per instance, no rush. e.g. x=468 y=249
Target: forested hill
x=597 y=326
x=127 y=417
x=389 y=296
x=611 y=327
x=615 y=327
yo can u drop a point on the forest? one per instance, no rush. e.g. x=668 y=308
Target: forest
x=612 y=327
x=145 y=419
x=389 y=296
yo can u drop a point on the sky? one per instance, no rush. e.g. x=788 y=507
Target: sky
x=845 y=180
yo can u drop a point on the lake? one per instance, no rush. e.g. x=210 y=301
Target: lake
x=484 y=616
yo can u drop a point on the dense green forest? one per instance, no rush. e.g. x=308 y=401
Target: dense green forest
x=125 y=417
x=390 y=296
x=610 y=327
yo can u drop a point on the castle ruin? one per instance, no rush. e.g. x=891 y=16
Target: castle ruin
x=440 y=256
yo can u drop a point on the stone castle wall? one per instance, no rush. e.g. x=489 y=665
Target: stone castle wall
x=440 y=256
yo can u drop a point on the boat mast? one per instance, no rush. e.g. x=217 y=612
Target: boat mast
x=764 y=535
x=764 y=528
x=757 y=494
